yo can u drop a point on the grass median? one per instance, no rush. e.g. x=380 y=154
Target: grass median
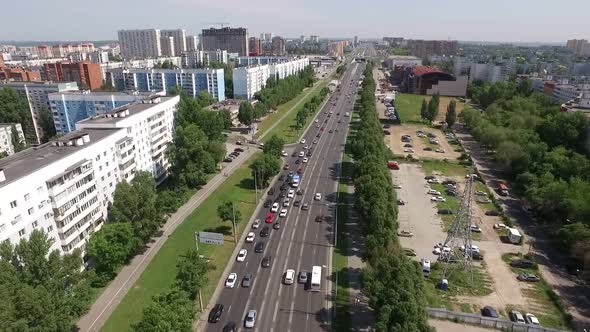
x=160 y=274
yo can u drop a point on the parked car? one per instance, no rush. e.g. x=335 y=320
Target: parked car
x=427 y=148
x=445 y=211
x=488 y=311
x=528 y=277
x=409 y=252
x=405 y=234
x=475 y=229
x=522 y=263
x=500 y=226
x=516 y=316
x=400 y=202
x=531 y=319
x=493 y=213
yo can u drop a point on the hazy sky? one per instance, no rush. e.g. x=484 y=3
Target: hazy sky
x=491 y=20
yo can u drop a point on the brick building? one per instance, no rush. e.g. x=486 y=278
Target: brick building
x=87 y=75
x=18 y=74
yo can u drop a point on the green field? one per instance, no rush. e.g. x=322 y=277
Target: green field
x=409 y=106
x=160 y=273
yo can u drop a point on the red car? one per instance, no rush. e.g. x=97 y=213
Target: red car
x=300 y=171
x=286 y=167
x=322 y=129
x=270 y=218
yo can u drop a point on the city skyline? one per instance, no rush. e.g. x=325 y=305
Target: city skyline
x=526 y=21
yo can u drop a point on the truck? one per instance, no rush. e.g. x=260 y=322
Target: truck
x=514 y=236
x=503 y=189
x=392 y=165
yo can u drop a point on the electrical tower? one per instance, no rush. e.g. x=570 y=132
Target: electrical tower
x=456 y=252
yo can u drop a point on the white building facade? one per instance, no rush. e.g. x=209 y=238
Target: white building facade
x=249 y=80
x=6 y=136
x=140 y=44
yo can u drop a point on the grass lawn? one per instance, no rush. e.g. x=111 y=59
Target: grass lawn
x=160 y=273
x=444 y=168
x=286 y=128
x=409 y=106
x=459 y=285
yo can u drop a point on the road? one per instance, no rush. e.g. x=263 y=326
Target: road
x=301 y=242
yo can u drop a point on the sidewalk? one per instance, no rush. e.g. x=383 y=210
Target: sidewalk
x=110 y=298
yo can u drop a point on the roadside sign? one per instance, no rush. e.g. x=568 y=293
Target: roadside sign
x=211 y=238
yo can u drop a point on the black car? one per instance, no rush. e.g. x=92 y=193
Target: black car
x=259 y=247
x=294 y=154
x=445 y=211
x=271 y=191
x=215 y=314
x=239 y=150
x=308 y=153
x=331 y=131
x=488 y=311
x=297 y=203
x=284 y=187
x=449 y=182
x=429 y=177
x=276 y=225
x=301 y=191
x=282 y=194
x=267 y=203
x=230 y=327
x=427 y=148
x=281 y=177
x=493 y=213
x=247 y=280
x=386 y=126
x=265 y=231
x=522 y=263
x=319 y=218
x=298 y=161
x=318 y=135
x=228 y=160
x=408 y=145
x=453 y=193
x=386 y=132
x=266 y=261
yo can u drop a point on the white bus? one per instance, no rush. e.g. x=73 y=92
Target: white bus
x=316 y=278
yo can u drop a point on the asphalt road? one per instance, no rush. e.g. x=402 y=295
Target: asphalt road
x=301 y=242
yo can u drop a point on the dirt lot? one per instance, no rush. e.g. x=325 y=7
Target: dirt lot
x=419 y=143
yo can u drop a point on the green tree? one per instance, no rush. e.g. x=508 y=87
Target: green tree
x=191 y=162
x=112 y=246
x=47 y=125
x=107 y=87
x=264 y=168
x=176 y=91
x=226 y=118
x=191 y=272
x=260 y=110
x=274 y=146
x=17 y=143
x=171 y=311
x=424 y=110
x=15 y=109
x=226 y=211
x=246 y=113
x=451 y=116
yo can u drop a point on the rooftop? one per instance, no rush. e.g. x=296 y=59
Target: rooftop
x=421 y=70
x=30 y=160
x=116 y=114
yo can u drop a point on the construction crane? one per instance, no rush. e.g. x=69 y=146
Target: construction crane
x=219 y=23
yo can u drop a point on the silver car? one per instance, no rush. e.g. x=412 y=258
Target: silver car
x=250 y=320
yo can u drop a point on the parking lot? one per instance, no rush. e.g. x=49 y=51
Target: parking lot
x=395 y=143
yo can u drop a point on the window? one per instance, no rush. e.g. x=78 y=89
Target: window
x=104 y=154
x=100 y=168
x=13 y=204
x=107 y=164
x=40 y=190
x=34 y=224
x=22 y=232
x=18 y=218
x=110 y=184
x=2 y=227
x=47 y=215
x=27 y=197
x=31 y=210
x=49 y=229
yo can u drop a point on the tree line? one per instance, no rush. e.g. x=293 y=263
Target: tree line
x=392 y=281
x=544 y=151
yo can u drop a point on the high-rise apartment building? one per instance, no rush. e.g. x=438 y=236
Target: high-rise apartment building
x=7 y=135
x=268 y=37
x=140 y=44
x=179 y=40
x=200 y=59
x=19 y=74
x=278 y=46
x=255 y=46
x=249 y=80
x=578 y=46
x=424 y=48
x=167 y=45
x=37 y=96
x=87 y=75
x=314 y=39
x=66 y=186
x=192 y=43
x=233 y=40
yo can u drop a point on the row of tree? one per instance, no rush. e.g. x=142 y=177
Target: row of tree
x=393 y=282
x=429 y=110
x=545 y=153
x=309 y=108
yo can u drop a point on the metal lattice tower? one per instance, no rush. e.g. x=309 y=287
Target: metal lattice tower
x=459 y=235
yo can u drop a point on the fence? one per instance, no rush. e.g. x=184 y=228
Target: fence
x=496 y=323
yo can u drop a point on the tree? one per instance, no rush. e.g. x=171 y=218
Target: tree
x=47 y=125
x=112 y=246
x=424 y=110
x=433 y=104
x=226 y=118
x=264 y=168
x=246 y=113
x=107 y=87
x=171 y=311
x=15 y=109
x=191 y=162
x=451 y=115
x=169 y=201
x=17 y=143
x=226 y=212
x=191 y=273
x=274 y=146
x=260 y=110
x=176 y=91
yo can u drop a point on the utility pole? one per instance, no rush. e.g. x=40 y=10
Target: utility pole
x=197 y=241
x=255 y=186
x=234 y=222
x=200 y=300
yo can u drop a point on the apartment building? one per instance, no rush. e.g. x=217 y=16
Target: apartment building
x=249 y=80
x=254 y=46
x=36 y=94
x=245 y=61
x=578 y=46
x=285 y=69
x=200 y=59
x=278 y=46
x=70 y=107
x=65 y=187
x=179 y=40
x=167 y=45
x=192 y=81
x=6 y=136
x=18 y=74
x=424 y=48
x=233 y=40
x=487 y=72
x=87 y=75
x=140 y=44
x=192 y=43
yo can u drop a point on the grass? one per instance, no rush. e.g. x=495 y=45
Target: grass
x=159 y=275
x=444 y=168
x=409 y=106
x=540 y=294
x=286 y=128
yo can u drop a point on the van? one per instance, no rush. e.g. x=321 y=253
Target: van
x=289 y=277
x=426 y=267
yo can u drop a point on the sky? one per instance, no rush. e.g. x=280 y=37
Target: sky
x=468 y=20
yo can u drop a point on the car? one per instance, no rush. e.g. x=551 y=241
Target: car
x=300 y=171
x=297 y=203
x=301 y=154
x=409 y=150
x=319 y=218
x=271 y=191
x=286 y=167
x=409 y=252
x=531 y=319
x=282 y=194
x=302 y=278
x=481 y=193
x=283 y=213
x=250 y=237
x=400 y=202
x=330 y=131
x=408 y=145
x=445 y=211
x=522 y=263
x=397 y=186
x=300 y=191
x=305 y=160
x=434 y=180
x=275 y=207
x=289 y=277
x=291 y=193
x=250 y=319
x=322 y=129
x=316 y=120
x=247 y=280
x=453 y=193
x=267 y=203
x=305 y=206
x=516 y=316
x=270 y=218
x=276 y=225
x=265 y=231
x=488 y=311
x=230 y=282
x=302 y=141
x=286 y=202
x=308 y=153
x=471 y=248
x=266 y=261
x=228 y=160
x=259 y=247
x=405 y=233
x=528 y=277
x=284 y=186
x=306 y=147
x=439 y=150
x=500 y=226
x=238 y=143
x=318 y=197
x=238 y=150
x=284 y=153
x=438 y=199
x=242 y=255
x=229 y=327
x=315 y=141
x=294 y=154
x=475 y=229
x=427 y=148
x=215 y=314
x=318 y=135
x=298 y=161
x=434 y=192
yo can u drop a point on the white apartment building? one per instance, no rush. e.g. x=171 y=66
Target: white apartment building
x=192 y=43
x=36 y=94
x=140 y=44
x=6 y=133
x=285 y=69
x=249 y=80
x=487 y=72
x=64 y=187
x=197 y=59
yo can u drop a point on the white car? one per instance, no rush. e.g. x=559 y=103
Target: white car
x=284 y=153
x=256 y=223
x=317 y=120
x=250 y=237
x=531 y=319
x=435 y=180
x=286 y=202
x=473 y=248
x=438 y=199
x=242 y=255
x=500 y=226
x=433 y=192
x=283 y=213
x=275 y=207
x=317 y=125
x=397 y=186
x=302 y=154
x=315 y=141
x=250 y=319
x=318 y=197
x=230 y=282
x=305 y=160
x=302 y=141
x=291 y=193
x=439 y=150
x=305 y=147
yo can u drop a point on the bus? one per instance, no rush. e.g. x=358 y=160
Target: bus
x=295 y=182
x=316 y=278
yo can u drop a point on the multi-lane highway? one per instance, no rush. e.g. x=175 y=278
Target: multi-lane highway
x=301 y=242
